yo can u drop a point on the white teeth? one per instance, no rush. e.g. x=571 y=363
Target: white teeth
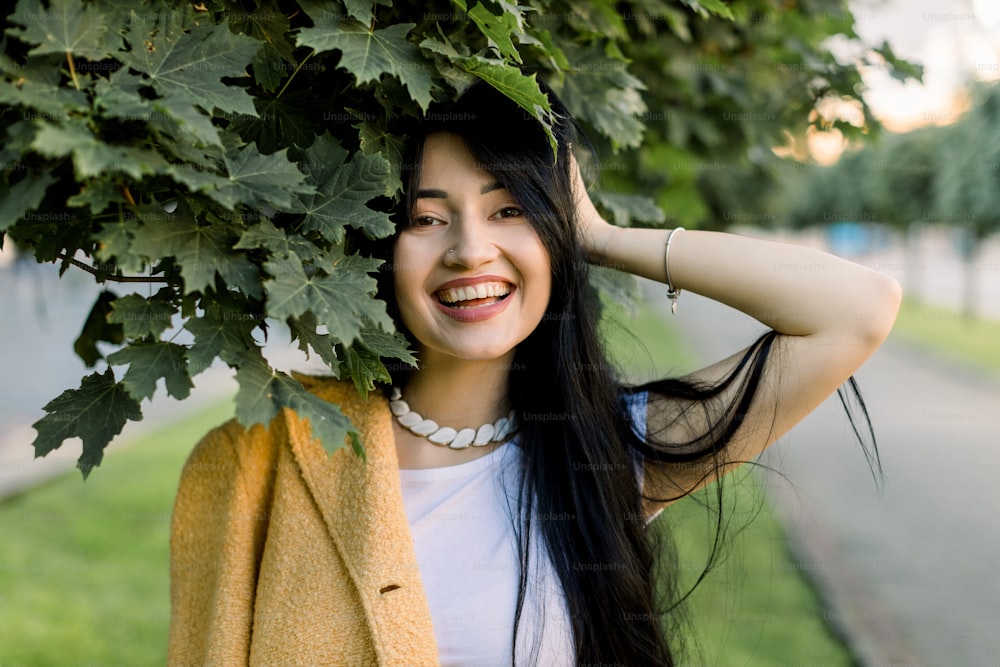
x=469 y=292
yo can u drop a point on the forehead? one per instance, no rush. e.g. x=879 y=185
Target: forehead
x=446 y=159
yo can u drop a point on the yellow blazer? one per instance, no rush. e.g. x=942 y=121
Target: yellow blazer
x=284 y=555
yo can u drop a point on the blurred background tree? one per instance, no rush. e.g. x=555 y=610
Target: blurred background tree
x=947 y=176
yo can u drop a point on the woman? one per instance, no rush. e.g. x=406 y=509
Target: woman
x=499 y=516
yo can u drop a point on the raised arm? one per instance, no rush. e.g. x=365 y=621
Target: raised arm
x=832 y=314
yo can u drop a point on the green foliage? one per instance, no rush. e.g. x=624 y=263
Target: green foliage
x=948 y=175
x=234 y=155
x=938 y=175
x=967 y=189
x=721 y=94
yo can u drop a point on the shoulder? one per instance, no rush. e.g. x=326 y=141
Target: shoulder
x=255 y=449
x=231 y=448
x=340 y=392
x=366 y=411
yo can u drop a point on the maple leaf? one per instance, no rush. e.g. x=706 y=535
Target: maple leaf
x=327 y=423
x=364 y=368
x=282 y=244
x=362 y=9
x=255 y=398
x=343 y=188
x=376 y=139
x=224 y=331
x=97 y=195
x=279 y=123
x=368 y=54
x=49 y=99
x=626 y=208
x=190 y=61
x=263 y=392
x=148 y=362
x=142 y=317
x=24 y=196
x=511 y=81
x=304 y=330
x=269 y=68
x=98 y=328
x=363 y=360
x=95 y=413
x=114 y=241
x=388 y=345
x=201 y=251
x=180 y=118
x=256 y=179
x=93 y=157
x=118 y=96
x=605 y=94
x=497 y=29
x=66 y=26
x=268 y=24
x=341 y=300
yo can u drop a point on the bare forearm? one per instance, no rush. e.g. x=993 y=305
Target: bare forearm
x=792 y=289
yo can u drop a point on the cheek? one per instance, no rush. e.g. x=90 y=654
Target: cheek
x=406 y=281
x=409 y=262
x=543 y=274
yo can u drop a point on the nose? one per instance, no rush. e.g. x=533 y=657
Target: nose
x=472 y=244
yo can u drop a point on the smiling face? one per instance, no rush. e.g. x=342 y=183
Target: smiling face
x=472 y=277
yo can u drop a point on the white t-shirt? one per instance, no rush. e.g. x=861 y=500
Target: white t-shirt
x=467 y=554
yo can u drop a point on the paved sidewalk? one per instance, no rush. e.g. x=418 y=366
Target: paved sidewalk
x=909 y=574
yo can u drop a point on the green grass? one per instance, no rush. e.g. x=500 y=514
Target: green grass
x=755 y=609
x=83 y=565
x=84 y=579
x=950 y=335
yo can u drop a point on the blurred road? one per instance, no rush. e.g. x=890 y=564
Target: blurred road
x=909 y=573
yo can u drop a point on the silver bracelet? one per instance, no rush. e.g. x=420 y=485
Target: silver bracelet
x=672 y=292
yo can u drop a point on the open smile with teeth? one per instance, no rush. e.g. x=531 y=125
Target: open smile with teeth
x=471 y=296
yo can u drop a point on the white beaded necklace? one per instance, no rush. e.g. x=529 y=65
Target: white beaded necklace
x=446 y=436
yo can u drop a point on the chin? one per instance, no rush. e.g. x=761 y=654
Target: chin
x=478 y=351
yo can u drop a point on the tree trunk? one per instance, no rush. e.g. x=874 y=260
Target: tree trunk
x=913 y=270
x=971 y=249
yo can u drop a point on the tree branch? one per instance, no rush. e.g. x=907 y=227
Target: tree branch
x=102 y=276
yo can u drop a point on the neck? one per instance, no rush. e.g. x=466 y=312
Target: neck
x=458 y=392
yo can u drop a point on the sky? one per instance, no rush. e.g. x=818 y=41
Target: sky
x=956 y=41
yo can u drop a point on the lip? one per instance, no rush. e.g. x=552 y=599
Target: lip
x=477 y=313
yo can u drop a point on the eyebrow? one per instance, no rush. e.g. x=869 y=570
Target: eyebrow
x=441 y=194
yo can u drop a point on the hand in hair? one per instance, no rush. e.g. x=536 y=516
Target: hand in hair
x=595 y=231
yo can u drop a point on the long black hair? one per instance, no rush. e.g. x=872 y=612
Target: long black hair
x=581 y=454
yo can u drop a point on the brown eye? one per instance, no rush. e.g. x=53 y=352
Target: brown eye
x=509 y=212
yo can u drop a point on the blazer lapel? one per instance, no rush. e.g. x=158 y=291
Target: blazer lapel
x=362 y=505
